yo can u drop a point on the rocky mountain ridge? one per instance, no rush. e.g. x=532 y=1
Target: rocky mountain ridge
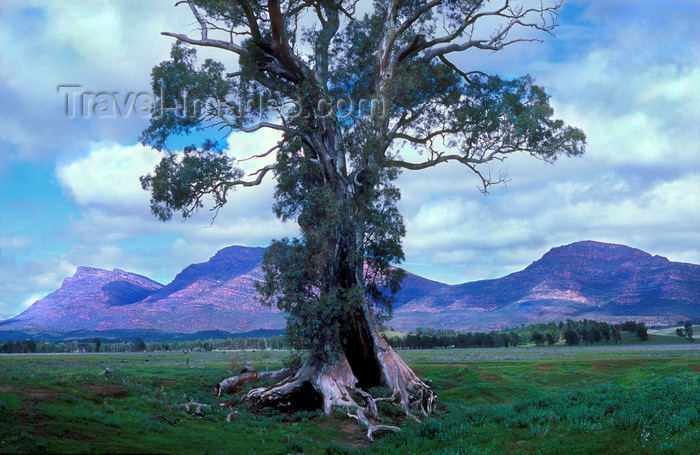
x=582 y=280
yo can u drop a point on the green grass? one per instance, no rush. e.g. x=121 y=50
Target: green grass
x=497 y=401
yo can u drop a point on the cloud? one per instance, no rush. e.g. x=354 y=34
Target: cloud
x=13 y=242
x=23 y=282
x=108 y=177
x=98 y=45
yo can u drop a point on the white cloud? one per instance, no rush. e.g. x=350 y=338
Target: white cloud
x=109 y=176
x=24 y=282
x=105 y=184
x=49 y=274
x=99 y=45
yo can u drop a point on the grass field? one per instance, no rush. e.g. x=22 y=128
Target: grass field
x=636 y=398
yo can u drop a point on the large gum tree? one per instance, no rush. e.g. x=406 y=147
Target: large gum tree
x=406 y=105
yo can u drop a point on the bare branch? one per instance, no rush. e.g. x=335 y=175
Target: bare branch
x=202 y=24
x=465 y=75
x=219 y=44
x=432 y=162
x=262 y=155
x=260 y=173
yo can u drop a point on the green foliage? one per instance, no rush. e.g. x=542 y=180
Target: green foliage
x=139 y=345
x=689 y=331
x=179 y=83
x=537 y=338
x=641 y=331
x=181 y=183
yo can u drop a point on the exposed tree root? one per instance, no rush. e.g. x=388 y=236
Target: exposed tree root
x=371 y=429
x=249 y=374
x=405 y=387
x=334 y=383
x=278 y=375
x=315 y=383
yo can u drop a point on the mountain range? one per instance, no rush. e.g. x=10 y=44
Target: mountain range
x=586 y=279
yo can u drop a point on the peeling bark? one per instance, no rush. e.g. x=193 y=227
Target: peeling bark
x=248 y=374
x=229 y=385
x=278 y=375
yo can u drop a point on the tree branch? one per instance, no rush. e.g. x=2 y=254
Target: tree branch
x=219 y=44
x=263 y=44
x=437 y=159
x=281 y=49
x=261 y=175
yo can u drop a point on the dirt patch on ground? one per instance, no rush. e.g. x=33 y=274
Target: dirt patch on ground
x=41 y=394
x=549 y=367
x=694 y=367
x=46 y=432
x=27 y=413
x=7 y=388
x=489 y=377
x=607 y=365
x=168 y=382
x=107 y=391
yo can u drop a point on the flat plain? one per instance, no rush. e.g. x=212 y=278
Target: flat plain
x=632 y=398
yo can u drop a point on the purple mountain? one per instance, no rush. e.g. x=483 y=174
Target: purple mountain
x=582 y=280
x=91 y=298
x=588 y=279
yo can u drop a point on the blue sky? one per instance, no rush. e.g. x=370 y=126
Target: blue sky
x=626 y=71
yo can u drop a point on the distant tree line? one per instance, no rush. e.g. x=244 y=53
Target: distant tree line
x=98 y=345
x=572 y=332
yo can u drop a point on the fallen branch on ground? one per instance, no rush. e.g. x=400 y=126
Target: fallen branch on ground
x=196 y=409
x=249 y=374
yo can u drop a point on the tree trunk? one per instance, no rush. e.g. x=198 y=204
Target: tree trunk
x=366 y=361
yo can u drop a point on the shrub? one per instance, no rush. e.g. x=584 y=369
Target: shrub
x=388 y=409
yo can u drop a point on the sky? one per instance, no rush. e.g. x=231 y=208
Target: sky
x=625 y=71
